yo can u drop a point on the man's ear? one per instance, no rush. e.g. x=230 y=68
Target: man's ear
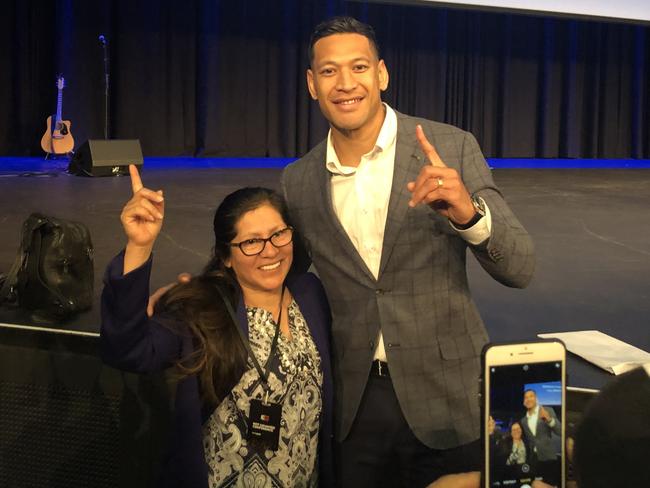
x=310 y=84
x=383 y=75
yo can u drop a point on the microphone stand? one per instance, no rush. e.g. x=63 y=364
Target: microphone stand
x=104 y=42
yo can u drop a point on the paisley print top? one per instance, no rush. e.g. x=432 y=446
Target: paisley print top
x=296 y=382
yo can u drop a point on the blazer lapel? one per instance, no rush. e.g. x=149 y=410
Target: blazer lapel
x=242 y=319
x=524 y=424
x=330 y=215
x=310 y=314
x=408 y=161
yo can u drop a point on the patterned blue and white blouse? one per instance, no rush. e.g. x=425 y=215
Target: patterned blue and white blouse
x=296 y=382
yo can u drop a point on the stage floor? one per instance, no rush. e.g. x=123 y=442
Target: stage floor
x=591 y=229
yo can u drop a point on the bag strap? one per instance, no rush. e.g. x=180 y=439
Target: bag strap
x=30 y=246
x=34 y=264
x=7 y=289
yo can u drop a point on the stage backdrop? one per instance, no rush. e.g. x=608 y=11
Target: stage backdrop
x=226 y=78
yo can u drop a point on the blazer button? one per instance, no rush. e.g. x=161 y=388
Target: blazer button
x=379 y=292
x=372 y=344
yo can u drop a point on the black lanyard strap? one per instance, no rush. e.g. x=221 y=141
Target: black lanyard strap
x=264 y=373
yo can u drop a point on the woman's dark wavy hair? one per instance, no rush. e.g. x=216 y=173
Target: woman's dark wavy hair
x=509 y=440
x=219 y=358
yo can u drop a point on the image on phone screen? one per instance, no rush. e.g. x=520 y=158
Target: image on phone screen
x=525 y=425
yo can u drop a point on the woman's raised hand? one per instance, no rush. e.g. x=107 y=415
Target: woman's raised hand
x=142 y=218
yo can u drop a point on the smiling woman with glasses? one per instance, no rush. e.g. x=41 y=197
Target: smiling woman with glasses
x=249 y=344
x=251 y=247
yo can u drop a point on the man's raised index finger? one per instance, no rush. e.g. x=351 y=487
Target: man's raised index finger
x=428 y=148
x=136 y=182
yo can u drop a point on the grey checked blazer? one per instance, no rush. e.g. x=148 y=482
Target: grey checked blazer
x=543 y=443
x=421 y=301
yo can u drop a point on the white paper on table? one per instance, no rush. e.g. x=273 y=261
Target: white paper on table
x=607 y=352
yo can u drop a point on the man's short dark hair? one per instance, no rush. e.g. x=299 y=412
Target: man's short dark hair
x=342 y=25
x=530 y=389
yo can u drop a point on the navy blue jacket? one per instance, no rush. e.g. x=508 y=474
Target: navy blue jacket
x=131 y=341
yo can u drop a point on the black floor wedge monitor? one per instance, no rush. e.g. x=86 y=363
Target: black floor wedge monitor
x=106 y=157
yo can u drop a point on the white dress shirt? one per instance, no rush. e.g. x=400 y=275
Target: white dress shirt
x=360 y=197
x=532 y=419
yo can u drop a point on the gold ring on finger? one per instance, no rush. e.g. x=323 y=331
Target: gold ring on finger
x=440 y=182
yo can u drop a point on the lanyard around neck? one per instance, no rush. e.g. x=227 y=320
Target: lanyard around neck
x=262 y=372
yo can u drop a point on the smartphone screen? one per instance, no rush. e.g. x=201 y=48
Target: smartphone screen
x=525 y=425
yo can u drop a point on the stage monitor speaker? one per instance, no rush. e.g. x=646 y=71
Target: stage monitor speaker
x=106 y=157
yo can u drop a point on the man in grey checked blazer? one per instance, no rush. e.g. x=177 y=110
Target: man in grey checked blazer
x=420 y=300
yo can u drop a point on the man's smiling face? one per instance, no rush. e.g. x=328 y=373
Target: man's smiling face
x=347 y=78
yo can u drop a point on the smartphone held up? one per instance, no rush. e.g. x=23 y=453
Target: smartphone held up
x=523 y=409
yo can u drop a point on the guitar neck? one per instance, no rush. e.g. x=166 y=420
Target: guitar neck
x=59 y=105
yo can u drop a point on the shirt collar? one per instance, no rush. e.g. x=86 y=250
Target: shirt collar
x=386 y=137
x=535 y=411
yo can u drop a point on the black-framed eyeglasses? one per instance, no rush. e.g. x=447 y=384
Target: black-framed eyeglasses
x=251 y=247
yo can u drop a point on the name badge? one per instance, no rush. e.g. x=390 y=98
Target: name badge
x=264 y=425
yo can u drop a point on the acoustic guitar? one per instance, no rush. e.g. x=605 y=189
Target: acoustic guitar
x=58 y=138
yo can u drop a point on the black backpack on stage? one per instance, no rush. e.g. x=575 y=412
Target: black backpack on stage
x=53 y=274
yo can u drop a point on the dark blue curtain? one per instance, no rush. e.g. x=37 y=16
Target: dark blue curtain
x=225 y=78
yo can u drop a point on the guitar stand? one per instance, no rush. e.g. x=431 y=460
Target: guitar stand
x=59 y=157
